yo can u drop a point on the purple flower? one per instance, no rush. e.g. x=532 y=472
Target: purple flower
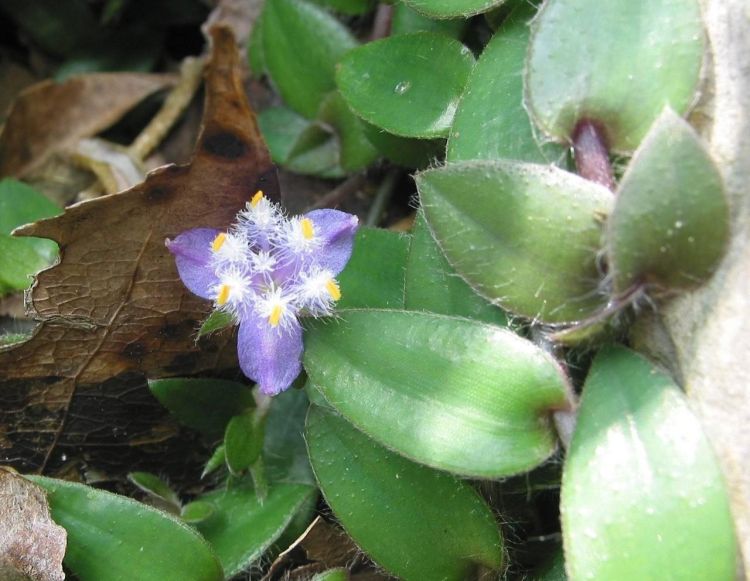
x=268 y=270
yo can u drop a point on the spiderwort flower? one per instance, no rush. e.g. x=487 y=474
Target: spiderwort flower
x=268 y=270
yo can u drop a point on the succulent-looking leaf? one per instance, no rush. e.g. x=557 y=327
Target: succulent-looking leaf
x=453 y=8
x=348 y=7
x=155 y=486
x=405 y=151
x=432 y=285
x=615 y=63
x=386 y=83
x=216 y=321
x=642 y=492
x=111 y=537
x=416 y=522
x=524 y=236
x=670 y=223
x=356 y=151
x=198 y=511
x=243 y=442
x=405 y=20
x=491 y=121
x=302 y=44
x=451 y=393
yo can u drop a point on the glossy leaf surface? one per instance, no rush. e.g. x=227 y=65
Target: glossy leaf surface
x=111 y=537
x=638 y=57
x=386 y=83
x=448 y=392
x=642 y=492
x=524 y=236
x=670 y=224
x=415 y=522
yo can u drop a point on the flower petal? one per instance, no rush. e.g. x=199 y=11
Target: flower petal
x=192 y=251
x=337 y=230
x=272 y=357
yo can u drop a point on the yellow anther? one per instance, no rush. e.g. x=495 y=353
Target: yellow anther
x=333 y=289
x=307 y=228
x=275 y=316
x=256 y=198
x=223 y=295
x=218 y=242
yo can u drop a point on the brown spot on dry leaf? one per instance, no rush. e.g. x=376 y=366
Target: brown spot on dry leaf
x=32 y=546
x=114 y=310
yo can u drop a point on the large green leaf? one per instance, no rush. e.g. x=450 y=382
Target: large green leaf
x=374 y=276
x=415 y=522
x=491 y=121
x=387 y=83
x=448 y=392
x=432 y=285
x=453 y=8
x=525 y=236
x=642 y=496
x=111 y=537
x=670 y=224
x=302 y=44
x=616 y=63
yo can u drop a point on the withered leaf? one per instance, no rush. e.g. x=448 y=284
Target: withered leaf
x=32 y=546
x=49 y=116
x=114 y=309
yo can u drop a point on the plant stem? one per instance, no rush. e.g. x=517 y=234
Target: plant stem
x=592 y=154
x=384 y=193
x=381 y=26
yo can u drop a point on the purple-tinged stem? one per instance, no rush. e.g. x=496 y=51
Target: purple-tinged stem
x=381 y=26
x=591 y=154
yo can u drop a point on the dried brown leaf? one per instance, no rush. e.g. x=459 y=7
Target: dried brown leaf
x=50 y=116
x=32 y=546
x=114 y=309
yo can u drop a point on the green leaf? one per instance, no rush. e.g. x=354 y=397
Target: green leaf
x=451 y=393
x=416 y=153
x=155 y=486
x=374 y=275
x=551 y=570
x=432 y=285
x=111 y=537
x=21 y=204
x=406 y=20
x=642 y=491
x=284 y=450
x=281 y=128
x=216 y=461
x=242 y=528
x=453 y=8
x=332 y=575
x=387 y=83
x=302 y=44
x=356 y=151
x=216 y=321
x=197 y=511
x=256 y=58
x=529 y=234
x=415 y=522
x=491 y=121
x=670 y=224
x=639 y=56
x=350 y=7
x=203 y=404
x=243 y=441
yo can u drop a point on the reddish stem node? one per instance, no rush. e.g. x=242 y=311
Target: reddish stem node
x=591 y=154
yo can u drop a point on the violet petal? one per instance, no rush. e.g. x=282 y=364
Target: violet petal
x=337 y=230
x=272 y=357
x=192 y=251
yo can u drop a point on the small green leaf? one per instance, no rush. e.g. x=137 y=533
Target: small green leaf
x=356 y=151
x=670 y=224
x=386 y=83
x=638 y=57
x=216 y=461
x=281 y=128
x=243 y=441
x=491 y=121
x=197 y=511
x=155 y=486
x=284 y=451
x=374 y=276
x=642 y=491
x=451 y=393
x=432 y=285
x=406 y=20
x=21 y=204
x=111 y=537
x=415 y=522
x=332 y=575
x=416 y=153
x=349 y=7
x=203 y=404
x=216 y=321
x=302 y=44
x=453 y=8
x=242 y=528
x=525 y=236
